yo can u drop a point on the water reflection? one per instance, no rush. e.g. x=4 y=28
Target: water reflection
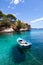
x=18 y=55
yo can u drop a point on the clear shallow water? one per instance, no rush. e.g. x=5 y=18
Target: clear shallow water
x=10 y=54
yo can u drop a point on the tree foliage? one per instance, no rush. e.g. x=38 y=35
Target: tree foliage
x=10 y=20
x=19 y=24
x=11 y=17
x=1 y=14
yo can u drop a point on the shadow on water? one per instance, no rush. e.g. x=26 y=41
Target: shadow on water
x=18 y=55
x=18 y=32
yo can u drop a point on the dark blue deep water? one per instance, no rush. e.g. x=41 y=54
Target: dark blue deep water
x=10 y=54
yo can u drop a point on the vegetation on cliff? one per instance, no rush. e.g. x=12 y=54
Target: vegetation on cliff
x=9 y=20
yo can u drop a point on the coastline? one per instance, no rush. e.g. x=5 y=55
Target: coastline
x=9 y=30
x=9 y=23
x=22 y=30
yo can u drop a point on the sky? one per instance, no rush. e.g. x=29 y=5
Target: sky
x=29 y=11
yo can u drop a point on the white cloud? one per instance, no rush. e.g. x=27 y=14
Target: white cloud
x=36 y=20
x=8 y=6
x=16 y=1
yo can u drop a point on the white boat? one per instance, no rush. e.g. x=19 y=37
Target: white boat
x=22 y=43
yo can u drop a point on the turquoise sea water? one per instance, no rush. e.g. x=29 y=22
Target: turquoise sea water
x=10 y=54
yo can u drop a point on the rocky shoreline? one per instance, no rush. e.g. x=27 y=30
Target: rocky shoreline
x=9 y=30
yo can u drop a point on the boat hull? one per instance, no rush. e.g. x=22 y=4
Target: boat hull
x=24 y=46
